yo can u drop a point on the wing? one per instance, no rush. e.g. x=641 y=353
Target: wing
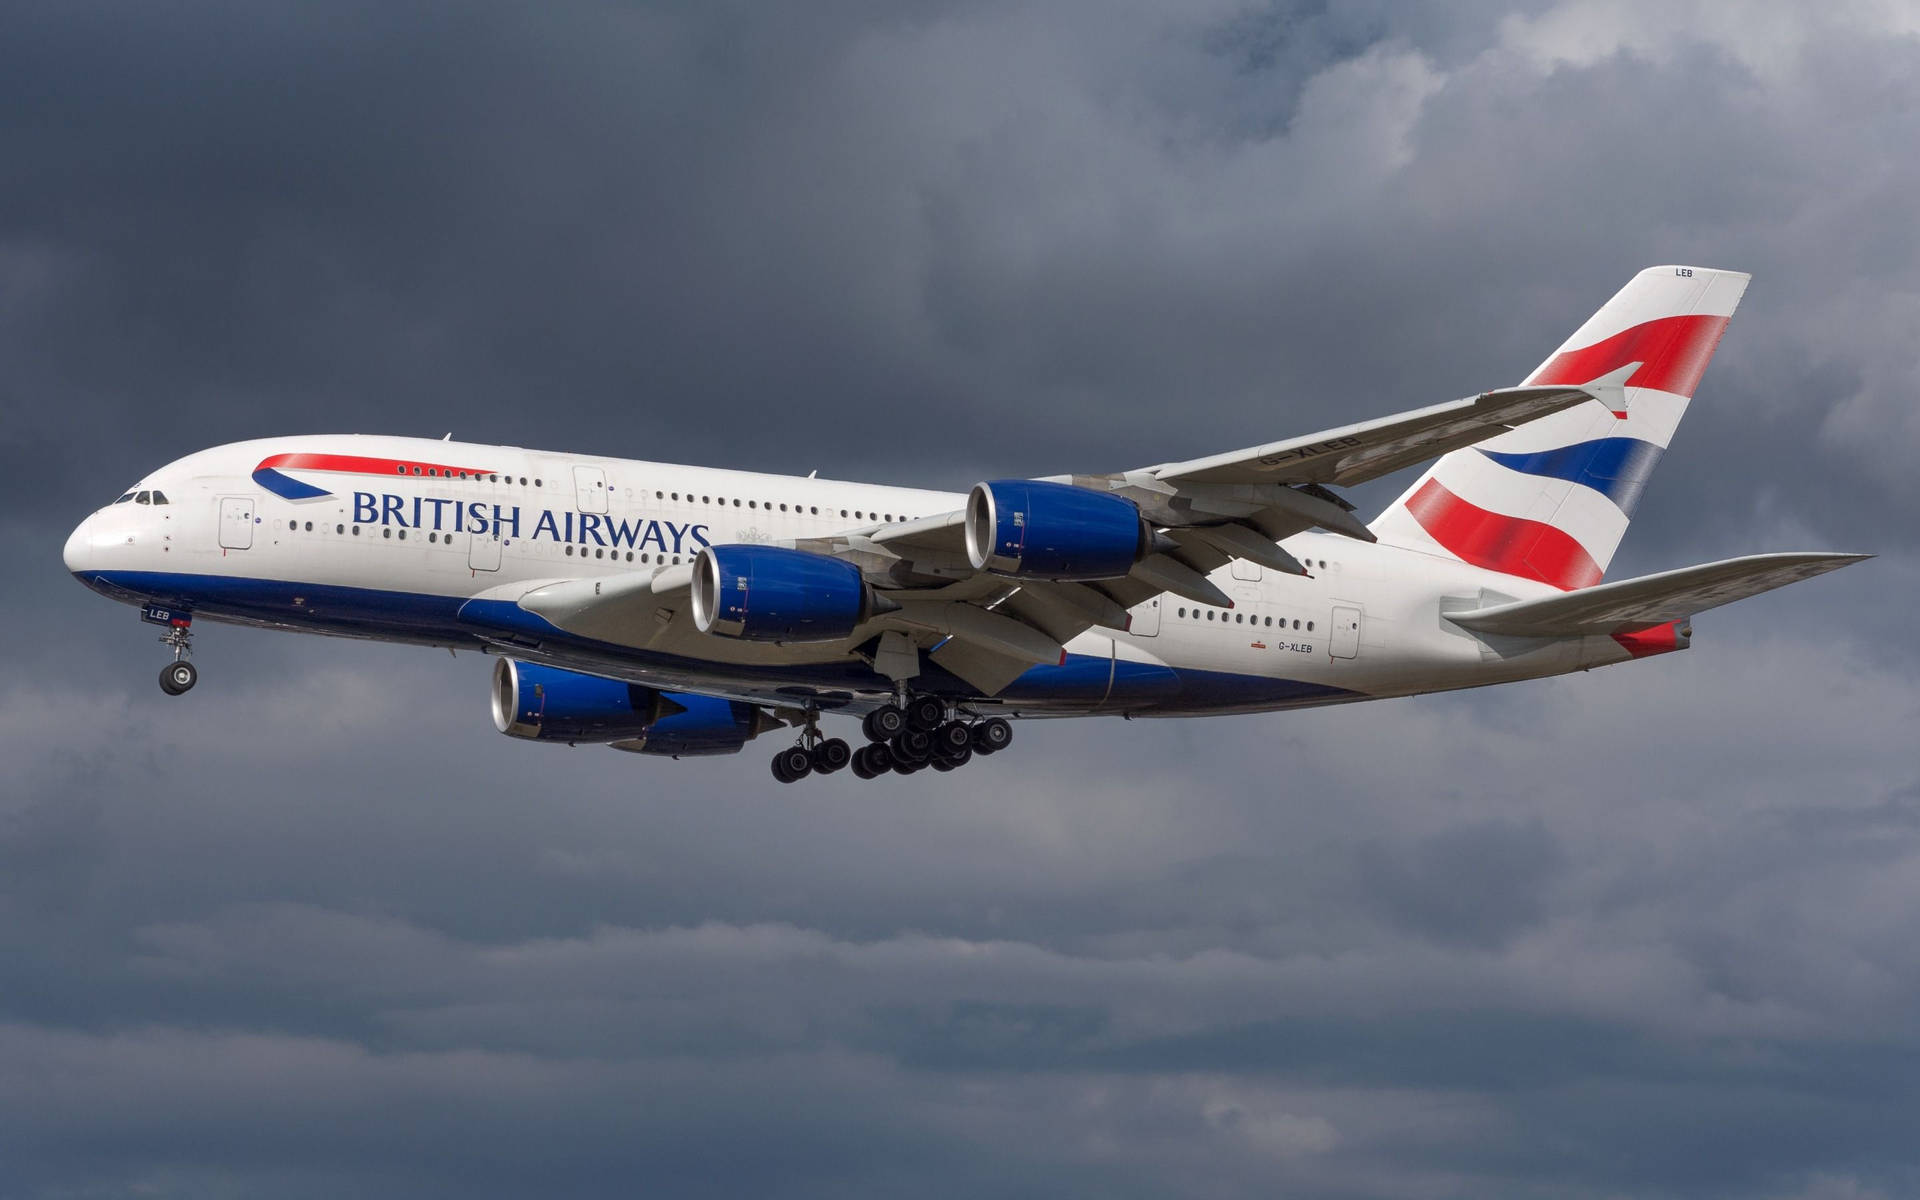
x=1633 y=604
x=1356 y=453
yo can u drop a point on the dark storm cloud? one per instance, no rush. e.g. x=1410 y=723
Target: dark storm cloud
x=316 y=929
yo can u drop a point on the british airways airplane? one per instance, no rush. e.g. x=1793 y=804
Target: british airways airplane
x=675 y=610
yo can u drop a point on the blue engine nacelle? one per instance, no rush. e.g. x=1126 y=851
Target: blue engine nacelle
x=773 y=594
x=549 y=704
x=1028 y=529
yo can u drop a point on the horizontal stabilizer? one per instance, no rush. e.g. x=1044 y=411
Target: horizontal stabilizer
x=1650 y=600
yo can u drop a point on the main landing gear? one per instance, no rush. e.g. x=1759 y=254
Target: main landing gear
x=900 y=739
x=814 y=755
x=179 y=675
x=921 y=735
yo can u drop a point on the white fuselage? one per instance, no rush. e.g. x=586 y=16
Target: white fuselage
x=411 y=540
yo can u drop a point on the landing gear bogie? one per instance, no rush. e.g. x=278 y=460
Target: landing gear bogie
x=921 y=732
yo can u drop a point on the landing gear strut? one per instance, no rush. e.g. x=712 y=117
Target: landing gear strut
x=179 y=675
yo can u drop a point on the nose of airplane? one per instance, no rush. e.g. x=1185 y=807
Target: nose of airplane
x=79 y=549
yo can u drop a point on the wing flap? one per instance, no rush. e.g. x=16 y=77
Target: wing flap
x=1634 y=604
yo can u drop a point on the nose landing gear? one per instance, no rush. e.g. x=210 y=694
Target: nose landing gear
x=179 y=675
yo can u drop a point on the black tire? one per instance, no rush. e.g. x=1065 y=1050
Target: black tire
x=860 y=768
x=952 y=738
x=944 y=765
x=879 y=758
x=912 y=746
x=907 y=768
x=925 y=713
x=883 y=723
x=992 y=735
x=831 y=755
x=793 y=764
x=959 y=758
x=178 y=677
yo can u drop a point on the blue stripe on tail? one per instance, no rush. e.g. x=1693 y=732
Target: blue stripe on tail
x=1617 y=468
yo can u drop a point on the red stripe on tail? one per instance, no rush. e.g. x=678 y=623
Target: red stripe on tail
x=1672 y=351
x=1510 y=545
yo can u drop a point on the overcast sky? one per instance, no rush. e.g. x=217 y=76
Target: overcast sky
x=317 y=930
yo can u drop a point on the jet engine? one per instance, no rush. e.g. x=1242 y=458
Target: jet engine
x=1028 y=529
x=773 y=594
x=549 y=704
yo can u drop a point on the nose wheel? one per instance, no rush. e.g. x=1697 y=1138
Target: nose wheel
x=178 y=676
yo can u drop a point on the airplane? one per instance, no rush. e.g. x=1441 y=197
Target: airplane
x=683 y=611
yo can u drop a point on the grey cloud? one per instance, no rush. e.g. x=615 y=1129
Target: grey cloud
x=316 y=928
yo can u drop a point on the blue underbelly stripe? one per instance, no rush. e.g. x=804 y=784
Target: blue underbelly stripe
x=453 y=620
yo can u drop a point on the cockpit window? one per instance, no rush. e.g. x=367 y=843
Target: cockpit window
x=125 y=499
x=159 y=497
x=143 y=498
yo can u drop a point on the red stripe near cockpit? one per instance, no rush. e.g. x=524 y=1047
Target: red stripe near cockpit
x=358 y=464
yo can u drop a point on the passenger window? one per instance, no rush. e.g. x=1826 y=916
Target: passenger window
x=1309 y=626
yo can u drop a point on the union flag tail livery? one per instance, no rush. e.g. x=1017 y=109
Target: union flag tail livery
x=1550 y=500
x=672 y=610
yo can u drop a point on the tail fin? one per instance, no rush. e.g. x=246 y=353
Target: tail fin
x=1550 y=500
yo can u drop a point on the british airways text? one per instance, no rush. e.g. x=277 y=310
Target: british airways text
x=508 y=521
